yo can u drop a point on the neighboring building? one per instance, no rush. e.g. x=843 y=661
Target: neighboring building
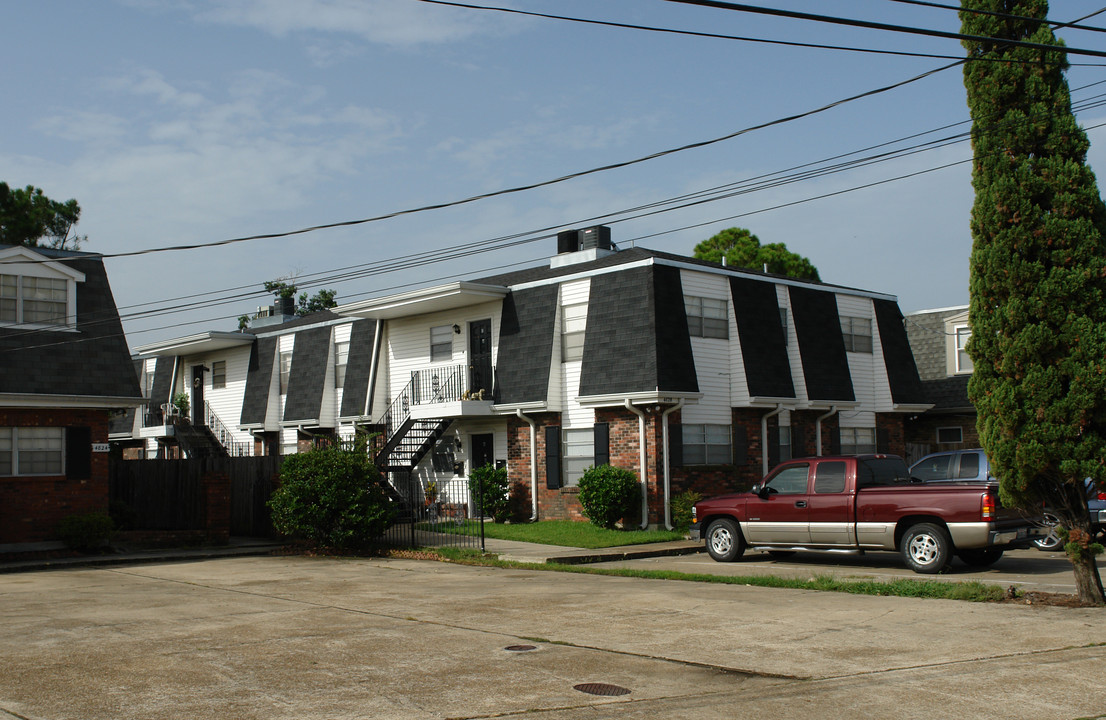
x=600 y=356
x=272 y=389
x=938 y=339
x=65 y=372
x=691 y=374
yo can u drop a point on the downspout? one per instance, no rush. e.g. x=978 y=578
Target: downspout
x=668 y=465
x=818 y=430
x=533 y=465
x=764 y=438
x=644 y=474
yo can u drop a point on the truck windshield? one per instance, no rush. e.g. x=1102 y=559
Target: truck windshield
x=872 y=472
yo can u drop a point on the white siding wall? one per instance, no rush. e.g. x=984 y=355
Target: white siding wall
x=285 y=344
x=862 y=365
x=713 y=356
x=341 y=333
x=783 y=299
x=573 y=416
x=408 y=342
x=225 y=402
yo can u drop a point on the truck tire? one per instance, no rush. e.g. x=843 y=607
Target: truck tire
x=926 y=548
x=724 y=540
x=981 y=557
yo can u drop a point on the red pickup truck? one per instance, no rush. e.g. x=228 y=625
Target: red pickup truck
x=863 y=502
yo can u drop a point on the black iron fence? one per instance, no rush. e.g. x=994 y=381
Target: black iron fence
x=435 y=513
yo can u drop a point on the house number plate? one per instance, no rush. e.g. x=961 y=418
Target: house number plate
x=100 y=447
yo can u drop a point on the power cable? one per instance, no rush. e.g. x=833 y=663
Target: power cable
x=749 y=185
x=871 y=25
x=974 y=11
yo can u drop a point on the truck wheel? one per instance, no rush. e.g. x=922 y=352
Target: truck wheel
x=926 y=548
x=724 y=540
x=1051 y=541
x=982 y=557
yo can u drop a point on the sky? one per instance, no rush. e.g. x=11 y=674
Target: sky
x=195 y=122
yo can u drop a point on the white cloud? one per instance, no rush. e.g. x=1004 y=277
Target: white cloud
x=380 y=21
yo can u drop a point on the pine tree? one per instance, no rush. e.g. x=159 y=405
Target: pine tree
x=1038 y=276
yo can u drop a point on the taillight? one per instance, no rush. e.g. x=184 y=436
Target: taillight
x=694 y=514
x=986 y=506
x=1102 y=496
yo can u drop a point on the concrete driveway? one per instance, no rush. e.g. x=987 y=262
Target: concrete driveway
x=295 y=637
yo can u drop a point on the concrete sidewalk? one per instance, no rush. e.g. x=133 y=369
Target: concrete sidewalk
x=242 y=547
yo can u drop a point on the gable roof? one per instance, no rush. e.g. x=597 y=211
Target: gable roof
x=88 y=365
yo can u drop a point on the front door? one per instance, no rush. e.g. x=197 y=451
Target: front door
x=197 y=395
x=480 y=357
x=483 y=450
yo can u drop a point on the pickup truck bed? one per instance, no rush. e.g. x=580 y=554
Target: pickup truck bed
x=860 y=503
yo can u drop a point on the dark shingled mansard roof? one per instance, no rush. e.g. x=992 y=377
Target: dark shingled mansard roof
x=93 y=361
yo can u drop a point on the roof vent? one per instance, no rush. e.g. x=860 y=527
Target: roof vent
x=577 y=246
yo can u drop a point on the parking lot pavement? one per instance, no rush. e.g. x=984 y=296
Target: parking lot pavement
x=1027 y=570
x=297 y=637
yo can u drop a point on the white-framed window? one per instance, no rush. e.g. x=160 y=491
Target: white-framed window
x=32 y=451
x=857 y=333
x=578 y=452
x=783 y=320
x=785 y=442
x=285 y=370
x=707 y=444
x=218 y=374
x=34 y=300
x=341 y=359
x=441 y=343
x=949 y=435
x=855 y=440
x=574 y=322
x=706 y=317
x=963 y=360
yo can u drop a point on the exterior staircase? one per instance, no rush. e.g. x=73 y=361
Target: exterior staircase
x=409 y=443
x=198 y=442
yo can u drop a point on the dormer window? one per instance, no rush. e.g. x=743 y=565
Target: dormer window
x=963 y=360
x=37 y=300
x=37 y=291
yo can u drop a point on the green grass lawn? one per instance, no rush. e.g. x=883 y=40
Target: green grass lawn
x=567 y=533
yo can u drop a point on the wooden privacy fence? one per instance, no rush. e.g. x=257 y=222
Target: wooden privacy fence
x=212 y=497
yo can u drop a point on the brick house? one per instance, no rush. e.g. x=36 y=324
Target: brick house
x=937 y=340
x=691 y=374
x=65 y=372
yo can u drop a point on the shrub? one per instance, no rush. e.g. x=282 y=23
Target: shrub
x=332 y=498
x=608 y=494
x=86 y=533
x=681 y=509
x=491 y=490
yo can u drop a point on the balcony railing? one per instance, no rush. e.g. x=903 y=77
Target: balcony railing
x=236 y=448
x=438 y=384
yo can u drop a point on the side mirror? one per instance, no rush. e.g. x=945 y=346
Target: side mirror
x=761 y=490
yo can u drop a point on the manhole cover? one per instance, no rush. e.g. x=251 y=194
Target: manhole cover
x=604 y=689
x=520 y=648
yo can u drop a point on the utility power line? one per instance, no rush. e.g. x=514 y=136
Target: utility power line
x=871 y=25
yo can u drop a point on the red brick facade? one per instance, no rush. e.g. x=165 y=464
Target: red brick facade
x=32 y=507
x=624 y=448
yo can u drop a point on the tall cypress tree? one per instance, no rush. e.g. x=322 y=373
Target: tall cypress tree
x=1038 y=275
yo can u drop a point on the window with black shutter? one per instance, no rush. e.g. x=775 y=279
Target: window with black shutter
x=553 y=457
x=602 y=444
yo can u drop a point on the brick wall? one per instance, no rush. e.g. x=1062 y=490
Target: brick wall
x=32 y=507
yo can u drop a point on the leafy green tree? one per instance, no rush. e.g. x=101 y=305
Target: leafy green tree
x=322 y=300
x=1038 y=276
x=331 y=497
x=28 y=217
x=741 y=248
